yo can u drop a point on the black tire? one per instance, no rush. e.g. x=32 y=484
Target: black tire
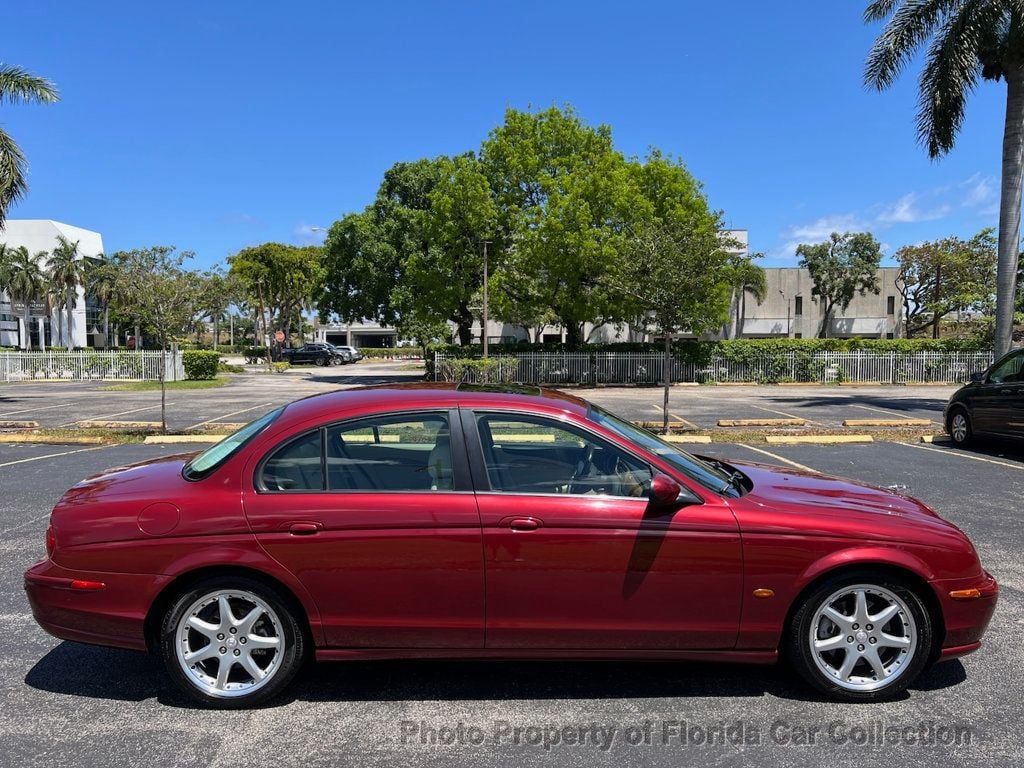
x=321 y=361
x=283 y=667
x=799 y=638
x=962 y=434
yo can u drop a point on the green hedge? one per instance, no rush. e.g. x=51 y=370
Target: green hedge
x=200 y=364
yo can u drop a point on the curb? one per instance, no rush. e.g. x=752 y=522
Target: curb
x=762 y=422
x=54 y=439
x=887 y=423
x=818 y=439
x=19 y=424
x=166 y=439
x=694 y=439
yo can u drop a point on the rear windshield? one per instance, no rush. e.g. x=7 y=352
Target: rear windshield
x=207 y=461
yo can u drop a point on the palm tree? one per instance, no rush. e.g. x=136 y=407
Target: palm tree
x=100 y=282
x=26 y=282
x=747 y=277
x=966 y=40
x=17 y=85
x=67 y=272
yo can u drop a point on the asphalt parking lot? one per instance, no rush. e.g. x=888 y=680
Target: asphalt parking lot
x=65 y=404
x=73 y=705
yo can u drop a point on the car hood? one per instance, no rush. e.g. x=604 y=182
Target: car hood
x=782 y=488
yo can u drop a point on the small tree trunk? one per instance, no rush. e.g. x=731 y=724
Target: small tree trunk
x=573 y=335
x=823 y=333
x=28 y=328
x=71 y=311
x=1009 y=210
x=163 y=387
x=667 y=365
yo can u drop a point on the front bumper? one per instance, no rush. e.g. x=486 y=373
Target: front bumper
x=966 y=616
x=70 y=604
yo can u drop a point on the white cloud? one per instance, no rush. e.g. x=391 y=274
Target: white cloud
x=309 y=234
x=981 y=191
x=906 y=211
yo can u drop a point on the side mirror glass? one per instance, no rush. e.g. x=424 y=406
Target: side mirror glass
x=977 y=377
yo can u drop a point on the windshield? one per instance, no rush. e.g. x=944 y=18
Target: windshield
x=706 y=474
x=215 y=455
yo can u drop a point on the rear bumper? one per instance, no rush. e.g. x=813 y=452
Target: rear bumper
x=70 y=604
x=966 y=618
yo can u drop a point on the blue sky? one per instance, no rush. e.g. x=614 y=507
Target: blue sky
x=216 y=125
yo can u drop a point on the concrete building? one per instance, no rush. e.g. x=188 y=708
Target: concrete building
x=789 y=309
x=47 y=322
x=361 y=334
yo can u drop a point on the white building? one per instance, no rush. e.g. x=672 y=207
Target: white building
x=47 y=326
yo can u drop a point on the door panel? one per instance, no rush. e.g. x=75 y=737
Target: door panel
x=376 y=517
x=574 y=556
x=602 y=573
x=390 y=570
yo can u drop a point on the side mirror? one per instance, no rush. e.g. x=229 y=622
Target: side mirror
x=666 y=494
x=978 y=377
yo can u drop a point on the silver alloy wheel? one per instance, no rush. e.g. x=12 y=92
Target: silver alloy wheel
x=958 y=427
x=229 y=643
x=863 y=637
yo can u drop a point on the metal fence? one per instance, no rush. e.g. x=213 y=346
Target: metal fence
x=85 y=365
x=767 y=368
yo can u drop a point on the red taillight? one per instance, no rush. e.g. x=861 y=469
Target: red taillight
x=87 y=586
x=51 y=540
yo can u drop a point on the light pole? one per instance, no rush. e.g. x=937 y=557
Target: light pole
x=484 y=324
x=789 y=330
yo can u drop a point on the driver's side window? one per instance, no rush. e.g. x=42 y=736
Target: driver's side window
x=1009 y=371
x=526 y=454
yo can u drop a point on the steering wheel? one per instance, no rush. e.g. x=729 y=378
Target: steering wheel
x=583 y=467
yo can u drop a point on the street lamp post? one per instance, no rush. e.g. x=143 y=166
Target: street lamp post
x=484 y=323
x=789 y=329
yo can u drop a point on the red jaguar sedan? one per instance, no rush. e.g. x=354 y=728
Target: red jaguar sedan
x=434 y=521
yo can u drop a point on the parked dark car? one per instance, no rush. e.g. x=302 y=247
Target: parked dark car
x=315 y=354
x=991 y=404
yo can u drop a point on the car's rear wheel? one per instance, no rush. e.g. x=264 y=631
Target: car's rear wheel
x=858 y=638
x=231 y=642
x=321 y=361
x=959 y=427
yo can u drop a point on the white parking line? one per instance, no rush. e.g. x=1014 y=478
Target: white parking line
x=226 y=415
x=960 y=455
x=53 y=455
x=780 y=413
x=783 y=459
x=887 y=412
x=41 y=408
x=112 y=415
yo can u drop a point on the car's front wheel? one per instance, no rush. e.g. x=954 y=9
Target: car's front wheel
x=858 y=638
x=959 y=427
x=231 y=642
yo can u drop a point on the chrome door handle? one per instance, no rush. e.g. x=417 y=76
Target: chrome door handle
x=524 y=524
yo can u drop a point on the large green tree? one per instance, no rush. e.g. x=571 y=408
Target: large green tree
x=841 y=267
x=155 y=287
x=678 y=276
x=966 y=41
x=17 y=85
x=281 y=279
x=563 y=194
x=943 y=276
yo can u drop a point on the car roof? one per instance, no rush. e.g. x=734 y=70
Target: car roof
x=383 y=397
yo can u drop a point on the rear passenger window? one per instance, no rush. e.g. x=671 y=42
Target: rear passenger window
x=391 y=453
x=296 y=466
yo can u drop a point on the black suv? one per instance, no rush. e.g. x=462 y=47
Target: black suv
x=317 y=354
x=991 y=404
